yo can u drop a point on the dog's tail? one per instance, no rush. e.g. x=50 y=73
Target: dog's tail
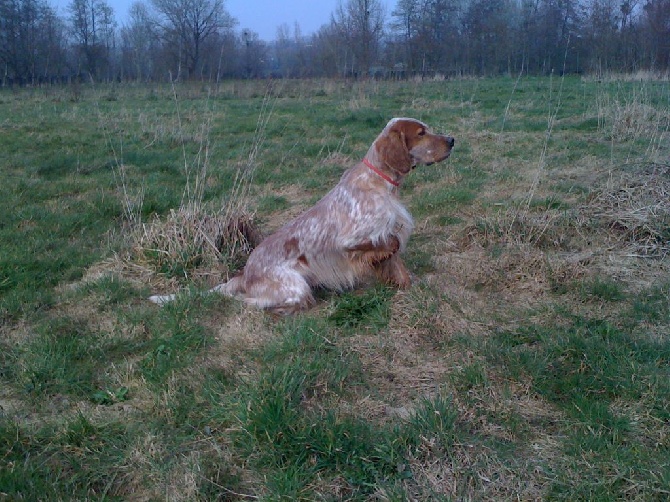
x=234 y=287
x=162 y=299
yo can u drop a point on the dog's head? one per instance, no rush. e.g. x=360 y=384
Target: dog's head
x=405 y=142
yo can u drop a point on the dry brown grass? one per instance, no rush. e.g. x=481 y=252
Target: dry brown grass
x=193 y=243
x=635 y=211
x=187 y=245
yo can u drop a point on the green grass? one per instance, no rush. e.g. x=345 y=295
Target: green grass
x=603 y=289
x=530 y=359
x=271 y=203
x=62 y=359
x=78 y=458
x=652 y=305
x=587 y=360
x=368 y=309
x=293 y=440
x=587 y=368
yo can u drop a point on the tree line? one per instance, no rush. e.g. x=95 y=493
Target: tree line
x=199 y=39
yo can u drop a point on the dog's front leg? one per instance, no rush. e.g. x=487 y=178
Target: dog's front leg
x=374 y=254
x=393 y=271
x=384 y=260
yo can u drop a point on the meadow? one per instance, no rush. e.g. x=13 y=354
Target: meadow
x=530 y=360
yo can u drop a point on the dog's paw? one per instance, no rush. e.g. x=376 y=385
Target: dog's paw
x=403 y=281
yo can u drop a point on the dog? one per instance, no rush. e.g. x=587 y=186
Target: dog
x=357 y=230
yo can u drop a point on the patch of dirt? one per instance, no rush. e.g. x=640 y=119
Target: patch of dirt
x=404 y=364
x=10 y=406
x=237 y=330
x=487 y=284
x=473 y=472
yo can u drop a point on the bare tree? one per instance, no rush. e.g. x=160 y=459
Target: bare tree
x=601 y=31
x=360 y=25
x=284 y=49
x=440 y=33
x=657 y=24
x=254 y=54
x=290 y=52
x=630 y=49
x=431 y=34
x=189 y=24
x=326 y=52
x=491 y=34
x=93 y=26
x=138 y=41
x=31 y=41
x=407 y=19
x=195 y=39
x=53 y=45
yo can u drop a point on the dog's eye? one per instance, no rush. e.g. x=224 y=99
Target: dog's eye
x=422 y=132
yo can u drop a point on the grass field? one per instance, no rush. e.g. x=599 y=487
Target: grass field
x=529 y=360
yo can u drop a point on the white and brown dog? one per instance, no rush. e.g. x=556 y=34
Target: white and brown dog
x=358 y=229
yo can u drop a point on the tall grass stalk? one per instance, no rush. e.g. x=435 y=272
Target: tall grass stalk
x=541 y=165
x=239 y=193
x=509 y=102
x=132 y=203
x=196 y=171
x=551 y=121
x=194 y=238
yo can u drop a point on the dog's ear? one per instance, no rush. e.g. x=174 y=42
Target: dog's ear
x=393 y=152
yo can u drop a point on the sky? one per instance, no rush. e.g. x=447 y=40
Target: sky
x=264 y=16
x=261 y=16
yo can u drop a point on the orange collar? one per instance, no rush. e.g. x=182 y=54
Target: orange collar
x=380 y=173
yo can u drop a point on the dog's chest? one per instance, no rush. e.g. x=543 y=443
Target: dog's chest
x=374 y=216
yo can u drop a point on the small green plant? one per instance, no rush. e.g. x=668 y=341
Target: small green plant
x=295 y=442
x=363 y=308
x=441 y=201
x=432 y=419
x=587 y=359
x=110 y=396
x=62 y=358
x=471 y=376
x=80 y=457
x=653 y=304
x=271 y=203
x=603 y=289
x=550 y=203
x=111 y=291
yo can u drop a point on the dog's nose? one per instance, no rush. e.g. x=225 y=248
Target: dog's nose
x=450 y=141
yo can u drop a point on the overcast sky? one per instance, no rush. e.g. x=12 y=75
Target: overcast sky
x=261 y=16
